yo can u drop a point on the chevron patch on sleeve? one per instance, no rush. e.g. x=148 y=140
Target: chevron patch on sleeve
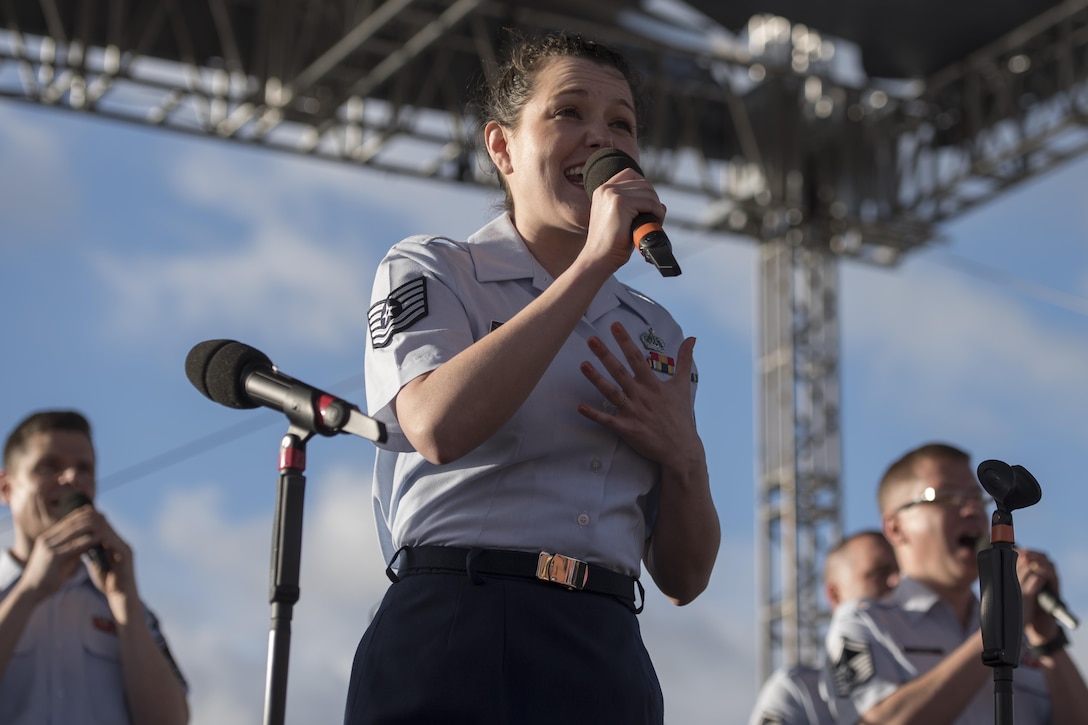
x=405 y=306
x=852 y=667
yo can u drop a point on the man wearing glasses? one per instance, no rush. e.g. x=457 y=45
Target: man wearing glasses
x=916 y=655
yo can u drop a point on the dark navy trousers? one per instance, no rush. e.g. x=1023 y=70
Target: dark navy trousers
x=505 y=651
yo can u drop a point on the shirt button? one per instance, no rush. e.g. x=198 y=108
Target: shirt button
x=595 y=465
x=583 y=519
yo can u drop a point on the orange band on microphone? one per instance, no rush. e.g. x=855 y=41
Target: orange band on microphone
x=647 y=228
x=1001 y=533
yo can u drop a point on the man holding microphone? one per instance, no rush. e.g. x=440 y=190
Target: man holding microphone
x=916 y=655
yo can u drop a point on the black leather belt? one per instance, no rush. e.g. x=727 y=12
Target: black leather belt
x=555 y=568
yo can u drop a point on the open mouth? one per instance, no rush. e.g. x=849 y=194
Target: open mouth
x=575 y=175
x=53 y=510
x=972 y=542
x=65 y=503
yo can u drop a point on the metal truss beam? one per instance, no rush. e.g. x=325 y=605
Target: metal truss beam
x=383 y=85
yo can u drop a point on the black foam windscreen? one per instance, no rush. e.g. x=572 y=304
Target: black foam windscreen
x=1013 y=487
x=997 y=477
x=217 y=369
x=70 y=501
x=1028 y=491
x=603 y=164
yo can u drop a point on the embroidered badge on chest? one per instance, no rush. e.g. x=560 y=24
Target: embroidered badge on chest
x=405 y=306
x=650 y=341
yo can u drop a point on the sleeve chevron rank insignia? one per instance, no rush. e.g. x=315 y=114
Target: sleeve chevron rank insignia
x=405 y=306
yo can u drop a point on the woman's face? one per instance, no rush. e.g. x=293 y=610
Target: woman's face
x=577 y=107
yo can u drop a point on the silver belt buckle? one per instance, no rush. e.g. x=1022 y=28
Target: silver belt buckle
x=558 y=569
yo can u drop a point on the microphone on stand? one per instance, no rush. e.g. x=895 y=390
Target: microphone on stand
x=1016 y=488
x=238 y=376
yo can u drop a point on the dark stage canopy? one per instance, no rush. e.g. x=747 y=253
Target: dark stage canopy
x=898 y=39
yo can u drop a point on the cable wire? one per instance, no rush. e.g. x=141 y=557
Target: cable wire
x=1058 y=298
x=187 y=451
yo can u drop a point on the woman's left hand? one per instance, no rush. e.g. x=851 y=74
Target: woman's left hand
x=655 y=417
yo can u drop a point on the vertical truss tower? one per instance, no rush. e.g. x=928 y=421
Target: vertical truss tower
x=798 y=507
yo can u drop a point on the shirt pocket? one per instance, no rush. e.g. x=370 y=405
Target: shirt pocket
x=102 y=669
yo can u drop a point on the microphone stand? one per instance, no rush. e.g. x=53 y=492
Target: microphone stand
x=238 y=376
x=1001 y=612
x=284 y=570
x=308 y=413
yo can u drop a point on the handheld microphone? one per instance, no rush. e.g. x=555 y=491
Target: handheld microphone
x=238 y=376
x=646 y=231
x=69 y=502
x=1055 y=607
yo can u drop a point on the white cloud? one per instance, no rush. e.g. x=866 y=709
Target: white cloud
x=718 y=274
x=305 y=194
x=263 y=189
x=298 y=253
x=37 y=194
x=276 y=281
x=948 y=340
x=704 y=653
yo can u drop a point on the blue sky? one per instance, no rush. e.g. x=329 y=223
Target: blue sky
x=122 y=247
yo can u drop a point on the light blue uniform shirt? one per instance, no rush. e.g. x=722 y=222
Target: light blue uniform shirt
x=66 y=668
x=549 y=479
x=874 y=646
x=792 y=696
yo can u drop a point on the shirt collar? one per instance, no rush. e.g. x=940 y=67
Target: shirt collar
x=499 y=254
x=917 y=599
x=11 y=570
x=914 y=596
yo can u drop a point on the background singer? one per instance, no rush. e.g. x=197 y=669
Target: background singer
x=76 y=643
x=916 y=655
